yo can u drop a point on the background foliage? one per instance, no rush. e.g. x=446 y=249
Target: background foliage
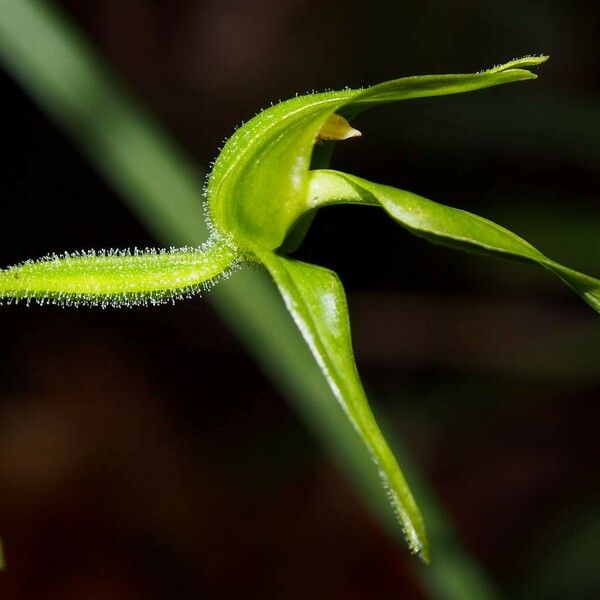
x=127 y=469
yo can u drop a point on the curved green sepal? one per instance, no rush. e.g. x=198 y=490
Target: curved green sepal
x=258 y=185
x=118 y=278
x=315 y=298
x=442 y=225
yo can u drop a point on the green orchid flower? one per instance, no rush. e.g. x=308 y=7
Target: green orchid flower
x=261 y=196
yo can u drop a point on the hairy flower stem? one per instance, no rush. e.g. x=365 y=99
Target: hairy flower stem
x=118 y=277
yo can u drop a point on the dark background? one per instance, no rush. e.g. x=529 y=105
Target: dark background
x=142 y=453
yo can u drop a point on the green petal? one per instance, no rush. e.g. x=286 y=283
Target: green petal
x=442 y=225
x=315 y=298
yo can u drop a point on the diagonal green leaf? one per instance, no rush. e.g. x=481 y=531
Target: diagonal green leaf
x=443 y=225
x=269 y=157
x=315 y=298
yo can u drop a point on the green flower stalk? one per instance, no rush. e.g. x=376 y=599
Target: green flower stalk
x=261 y=196
x=119 y=277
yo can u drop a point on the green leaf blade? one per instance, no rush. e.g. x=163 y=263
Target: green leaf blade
x=443 y=225
x=315 y=298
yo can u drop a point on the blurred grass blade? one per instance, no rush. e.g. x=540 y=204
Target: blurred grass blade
x=42 y=50
x=443 y=225
x=316 y=299
x=49 y=59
